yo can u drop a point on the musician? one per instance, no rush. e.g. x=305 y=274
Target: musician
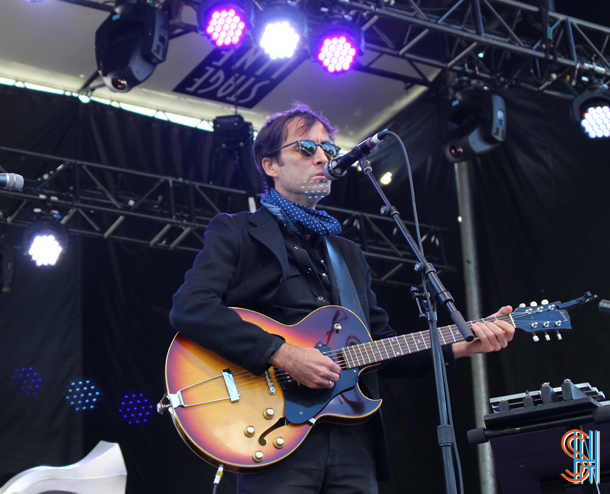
x=276 y=261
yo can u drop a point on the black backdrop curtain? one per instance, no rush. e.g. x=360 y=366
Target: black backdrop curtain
x=541 y=199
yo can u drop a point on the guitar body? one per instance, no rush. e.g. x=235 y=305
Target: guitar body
x=262 y=419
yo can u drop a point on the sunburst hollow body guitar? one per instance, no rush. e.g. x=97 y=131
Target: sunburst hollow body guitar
x=245 y=422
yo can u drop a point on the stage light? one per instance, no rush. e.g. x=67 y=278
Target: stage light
x=336 y=44
x=232 y=132
x=136 y=408
x=386 y=179
x=280 y=28
x=231 y=163
x=225 y=23
x=83 y=395
x=45 y=250
x=44 y=240
x=592 y=110
x=25 y=381
x=477 y=124
x=130 y=43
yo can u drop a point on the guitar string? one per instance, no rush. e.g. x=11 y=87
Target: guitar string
x=446 y=332
x=283 y=377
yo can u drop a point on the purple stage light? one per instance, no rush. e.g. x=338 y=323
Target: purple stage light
x=225 y=26
x=337 y=54
x=135 y=408
x=25 y=382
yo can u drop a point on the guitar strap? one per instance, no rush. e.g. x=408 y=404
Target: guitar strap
x=347 y=291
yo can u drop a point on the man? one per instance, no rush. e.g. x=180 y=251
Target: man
x=284 y=261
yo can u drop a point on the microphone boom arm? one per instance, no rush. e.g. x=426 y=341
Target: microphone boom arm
x=433 y=282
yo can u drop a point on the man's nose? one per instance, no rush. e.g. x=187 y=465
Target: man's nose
x=320 y=157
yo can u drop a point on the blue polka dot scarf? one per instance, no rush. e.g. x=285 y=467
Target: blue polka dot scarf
x=300 y=219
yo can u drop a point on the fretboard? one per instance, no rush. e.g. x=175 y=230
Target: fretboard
x=397 y=346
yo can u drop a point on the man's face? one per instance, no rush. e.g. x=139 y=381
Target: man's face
x=300 y=179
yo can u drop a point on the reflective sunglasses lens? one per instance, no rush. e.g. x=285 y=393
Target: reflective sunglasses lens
x=330 y=149
x=307 y=148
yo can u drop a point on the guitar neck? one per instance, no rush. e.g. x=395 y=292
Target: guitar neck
x=379 y=350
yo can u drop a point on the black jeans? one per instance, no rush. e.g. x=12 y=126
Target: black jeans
x=333 y=459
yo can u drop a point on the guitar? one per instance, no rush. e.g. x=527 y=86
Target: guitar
x=245 y=422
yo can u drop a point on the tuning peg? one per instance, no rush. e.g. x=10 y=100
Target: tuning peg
x=521 y=305
x=547 y=337
x=558 y=335
x=533 y=304
x=535 y=338
x=544 y=302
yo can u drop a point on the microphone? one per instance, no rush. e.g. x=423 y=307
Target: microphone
x=11 y=181
x=338 y=168
x=604 y=306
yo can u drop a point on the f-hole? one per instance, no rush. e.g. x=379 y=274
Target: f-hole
x=280 y=423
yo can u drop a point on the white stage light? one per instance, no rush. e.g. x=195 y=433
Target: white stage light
x=44 y=240
x=279 y=40
x=45 y=250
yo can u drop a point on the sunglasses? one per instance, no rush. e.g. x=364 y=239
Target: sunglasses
x=308 y=148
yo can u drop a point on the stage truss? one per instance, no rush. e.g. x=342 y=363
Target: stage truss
x=169 y=213
x=503 y=43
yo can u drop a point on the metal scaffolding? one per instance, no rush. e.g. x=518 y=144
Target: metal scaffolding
x=170 y=213
x=504 y=43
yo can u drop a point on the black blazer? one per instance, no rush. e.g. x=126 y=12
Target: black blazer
x=244 y=264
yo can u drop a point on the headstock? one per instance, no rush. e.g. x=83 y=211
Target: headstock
x=547 y=317
x=541 y=318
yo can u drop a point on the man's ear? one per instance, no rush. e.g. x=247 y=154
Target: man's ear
x=270 y=167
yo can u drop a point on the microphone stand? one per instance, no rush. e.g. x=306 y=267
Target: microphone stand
x=437 y=292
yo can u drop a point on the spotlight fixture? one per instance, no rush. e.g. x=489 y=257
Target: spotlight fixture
x=231 y=164
x=280 y=27
x=336 y=44
x=232 y=131
x=44 y=240
x=224 y=22
x=592 y=110
x=477 y=123
x=130 y=43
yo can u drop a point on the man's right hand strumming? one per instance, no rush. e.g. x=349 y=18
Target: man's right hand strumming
x=307 y=365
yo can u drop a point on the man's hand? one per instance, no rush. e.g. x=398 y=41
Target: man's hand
x=307 y=365
x=492 y=336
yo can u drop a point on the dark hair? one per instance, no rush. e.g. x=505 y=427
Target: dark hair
x=274 y=132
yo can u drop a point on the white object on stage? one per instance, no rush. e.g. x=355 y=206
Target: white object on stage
x=100 y=472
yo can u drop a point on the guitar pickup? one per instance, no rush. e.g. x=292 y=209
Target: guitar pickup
x=227 y=375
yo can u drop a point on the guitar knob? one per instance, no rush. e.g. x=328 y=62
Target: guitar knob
x=249 y=431
x=535 y=338
x=279 y=442
x=258 y=456
x=269 y=413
